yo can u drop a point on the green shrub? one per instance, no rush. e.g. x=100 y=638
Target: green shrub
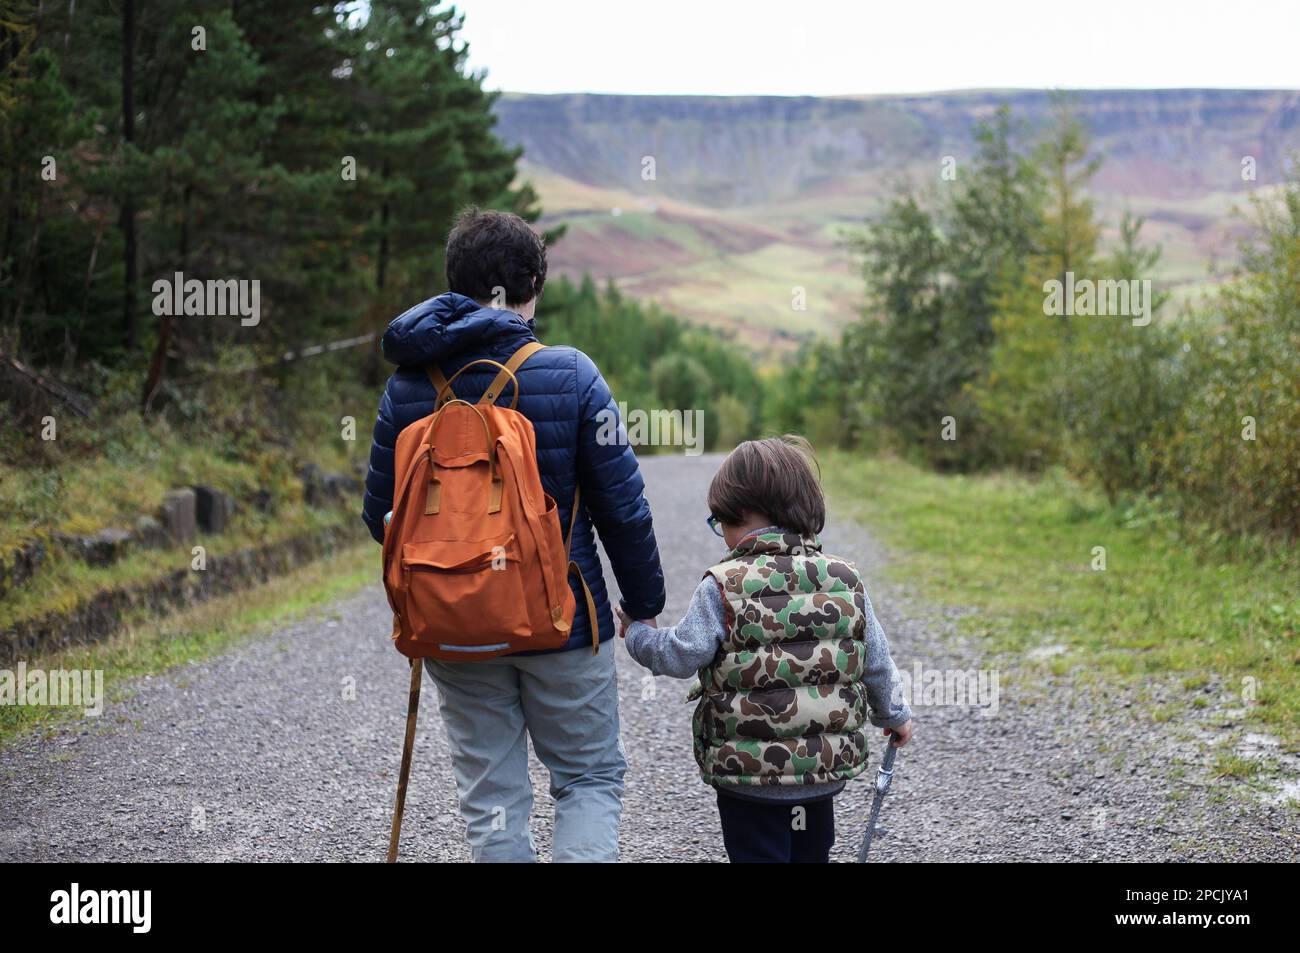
x=1246 y=372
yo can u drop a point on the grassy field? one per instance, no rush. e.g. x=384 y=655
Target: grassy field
x=151 y=646
x=1022 y=553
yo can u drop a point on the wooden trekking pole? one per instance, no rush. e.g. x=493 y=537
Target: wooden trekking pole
x=412 y=709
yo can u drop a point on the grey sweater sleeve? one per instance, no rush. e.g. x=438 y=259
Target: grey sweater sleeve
x=884 y=687
x=683 y=649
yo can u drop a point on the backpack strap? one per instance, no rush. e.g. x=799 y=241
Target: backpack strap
x=438 y=380
x=506 y=373
x=498 y=384
x=592 y=621
x=573 y=521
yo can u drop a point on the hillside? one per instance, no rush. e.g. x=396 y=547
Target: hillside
x=751 y=196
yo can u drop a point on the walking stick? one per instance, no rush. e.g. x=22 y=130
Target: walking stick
x=883 y=777
x=412 y=709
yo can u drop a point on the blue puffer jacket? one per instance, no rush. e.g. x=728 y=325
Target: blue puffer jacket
x=561 y=392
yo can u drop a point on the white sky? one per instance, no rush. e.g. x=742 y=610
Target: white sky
x=829 y=47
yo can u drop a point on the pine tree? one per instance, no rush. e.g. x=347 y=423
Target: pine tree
x=424 y=141
x=1021 y=398
x=910 y=377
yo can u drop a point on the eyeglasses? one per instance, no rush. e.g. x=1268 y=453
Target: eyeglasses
x=714 y=524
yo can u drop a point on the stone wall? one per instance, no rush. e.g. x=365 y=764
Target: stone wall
x=103 y=614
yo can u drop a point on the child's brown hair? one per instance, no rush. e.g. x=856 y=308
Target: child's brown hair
x=774 y=477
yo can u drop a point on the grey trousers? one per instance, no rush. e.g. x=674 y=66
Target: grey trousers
x=567 y=702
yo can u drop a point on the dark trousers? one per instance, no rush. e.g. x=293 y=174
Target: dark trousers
x=762 y=832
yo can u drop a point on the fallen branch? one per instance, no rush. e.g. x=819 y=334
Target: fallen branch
x=64 y=395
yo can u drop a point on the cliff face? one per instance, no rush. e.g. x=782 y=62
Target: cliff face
x=775 y=175
x=722 y=151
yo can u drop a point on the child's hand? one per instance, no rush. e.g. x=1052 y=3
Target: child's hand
x=902 y=734
x=627 y=620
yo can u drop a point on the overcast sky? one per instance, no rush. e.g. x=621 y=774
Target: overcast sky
x=829 y=47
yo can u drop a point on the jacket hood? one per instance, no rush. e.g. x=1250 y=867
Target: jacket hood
x=442 y=327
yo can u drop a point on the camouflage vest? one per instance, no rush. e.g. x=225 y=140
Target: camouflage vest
x=782 y=702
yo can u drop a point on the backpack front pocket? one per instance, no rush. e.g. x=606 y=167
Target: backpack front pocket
x=465 y=595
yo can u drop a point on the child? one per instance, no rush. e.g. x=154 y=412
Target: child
x=791 y=659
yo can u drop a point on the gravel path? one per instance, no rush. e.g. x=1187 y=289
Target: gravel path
x=262 y=754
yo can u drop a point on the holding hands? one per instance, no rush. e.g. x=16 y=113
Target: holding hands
x=625 y=620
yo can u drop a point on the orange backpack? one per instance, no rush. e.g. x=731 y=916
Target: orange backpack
x=474 y=562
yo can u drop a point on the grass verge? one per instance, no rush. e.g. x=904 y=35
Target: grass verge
x=1026 y=554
